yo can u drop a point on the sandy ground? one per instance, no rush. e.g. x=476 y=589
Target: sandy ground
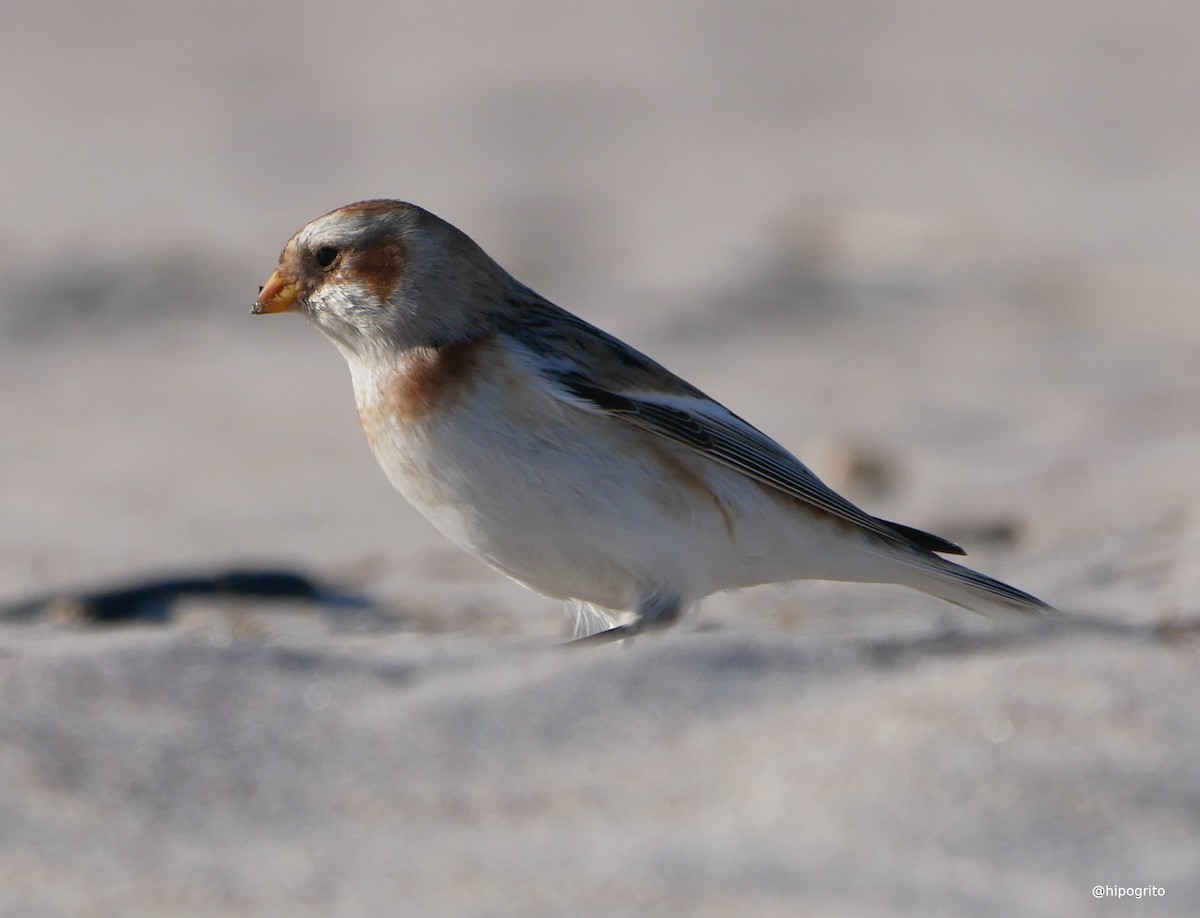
x=945 y=252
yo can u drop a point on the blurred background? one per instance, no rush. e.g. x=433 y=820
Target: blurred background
x=899 y=212
x=945 y=252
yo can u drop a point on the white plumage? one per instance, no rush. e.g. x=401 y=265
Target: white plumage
x=563 y=457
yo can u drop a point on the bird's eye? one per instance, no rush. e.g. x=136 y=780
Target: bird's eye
x=326 y=255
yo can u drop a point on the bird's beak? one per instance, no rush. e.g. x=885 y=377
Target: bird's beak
x=277 y=295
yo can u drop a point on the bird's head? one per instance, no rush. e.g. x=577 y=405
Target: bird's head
x=382 y=276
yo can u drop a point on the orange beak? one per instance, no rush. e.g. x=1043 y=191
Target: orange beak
x=277 y=295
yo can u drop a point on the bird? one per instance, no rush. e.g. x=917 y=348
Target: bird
x=563 y=457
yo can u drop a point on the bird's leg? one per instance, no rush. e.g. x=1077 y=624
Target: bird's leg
x=657 y=610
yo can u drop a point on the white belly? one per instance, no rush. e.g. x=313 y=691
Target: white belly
x=580 y=505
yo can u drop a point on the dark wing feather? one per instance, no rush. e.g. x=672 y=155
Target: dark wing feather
x=737 y=445
x=572 y=354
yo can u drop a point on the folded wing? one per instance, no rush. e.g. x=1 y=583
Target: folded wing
x=593 y=370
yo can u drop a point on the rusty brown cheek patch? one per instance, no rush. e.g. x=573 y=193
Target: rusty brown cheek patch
x=379 y=266
x=432 y=379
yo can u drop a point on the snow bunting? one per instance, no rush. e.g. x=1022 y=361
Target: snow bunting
x=563 y=457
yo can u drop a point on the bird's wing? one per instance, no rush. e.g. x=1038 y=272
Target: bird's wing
x=592 y=370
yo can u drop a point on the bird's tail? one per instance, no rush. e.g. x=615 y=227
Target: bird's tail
x=969 y=589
